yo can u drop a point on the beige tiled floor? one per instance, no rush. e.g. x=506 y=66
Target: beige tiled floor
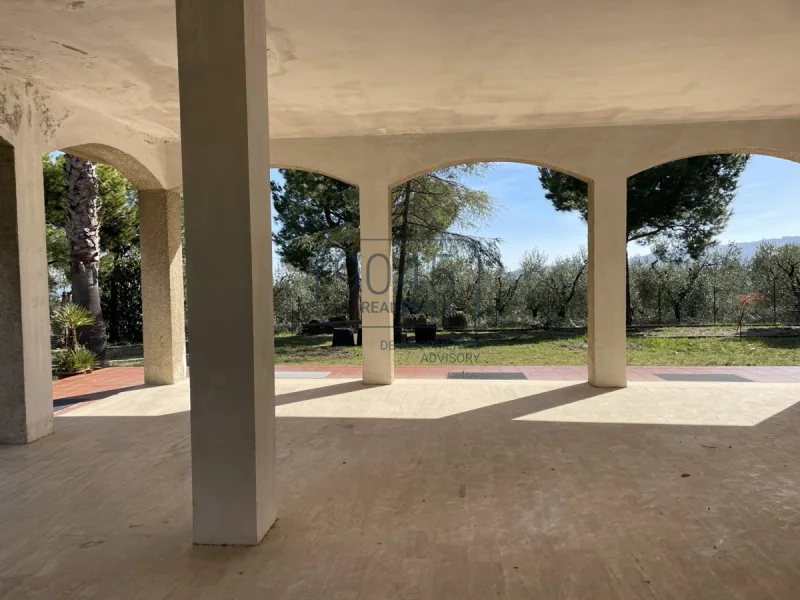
x=426 y=489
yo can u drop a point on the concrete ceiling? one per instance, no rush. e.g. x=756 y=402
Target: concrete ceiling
x=354 y=67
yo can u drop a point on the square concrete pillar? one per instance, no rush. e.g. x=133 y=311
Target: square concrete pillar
x=162 y=286
x=607 y=256
x=375 y=206
x=222 y=60
x=26 y=396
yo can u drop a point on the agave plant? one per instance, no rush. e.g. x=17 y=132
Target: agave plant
x=71 y=316
x=74 y=360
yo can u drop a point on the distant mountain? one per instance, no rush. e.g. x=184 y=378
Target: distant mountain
x=749 y=248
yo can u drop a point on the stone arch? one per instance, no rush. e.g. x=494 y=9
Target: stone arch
x=325 y=172
x=650 y=147
x=133 y=169
x=786 y=155
x=488 y=159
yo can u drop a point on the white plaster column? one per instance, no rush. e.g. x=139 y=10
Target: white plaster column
x=26 y=397
x=222 y=60
x=162 y=286
x=607 y=245
x=375 y=222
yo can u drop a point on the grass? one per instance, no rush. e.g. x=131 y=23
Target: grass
x=558 y=348
x=656 y=347
x=125 y=356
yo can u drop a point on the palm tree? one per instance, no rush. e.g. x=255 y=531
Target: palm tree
x=81 y=206
x=71 y=317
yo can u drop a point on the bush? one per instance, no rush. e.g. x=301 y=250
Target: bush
x=284 y=328
x=456 y=320
x=414 y=320
x=70 y=317
x=76 y=360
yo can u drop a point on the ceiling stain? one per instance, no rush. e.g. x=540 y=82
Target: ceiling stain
x=74 y=49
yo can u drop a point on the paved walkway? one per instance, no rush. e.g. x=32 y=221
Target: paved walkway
x=107 y=382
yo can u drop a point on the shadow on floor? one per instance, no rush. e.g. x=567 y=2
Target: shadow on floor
x=96 y=395
x=325 y=391
x=472 y=506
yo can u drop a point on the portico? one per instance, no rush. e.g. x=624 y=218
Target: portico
x=175 y=94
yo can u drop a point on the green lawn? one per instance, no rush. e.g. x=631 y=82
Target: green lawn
x=653 y=347
x=554 y=348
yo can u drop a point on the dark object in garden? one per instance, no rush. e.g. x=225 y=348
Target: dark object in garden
x=412 y=320
x=456 y=320
x=399 y=336
x=425 y=334
x=314 y=327
x=343 y=336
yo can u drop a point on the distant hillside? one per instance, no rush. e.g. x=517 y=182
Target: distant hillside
x=749 y=248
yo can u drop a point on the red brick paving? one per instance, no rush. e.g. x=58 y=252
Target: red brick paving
x=106 y=382
x=102 y=380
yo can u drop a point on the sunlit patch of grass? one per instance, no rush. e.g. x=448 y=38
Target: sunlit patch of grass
x=534 y=348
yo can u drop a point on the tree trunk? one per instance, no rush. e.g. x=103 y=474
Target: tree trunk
x=676 y=308
x=81 y=206
x=351 y=265
x=401 y=263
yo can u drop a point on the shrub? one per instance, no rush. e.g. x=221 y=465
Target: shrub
x=71 y=316
x=414 y=320
x=456 y=320
x=75 y=360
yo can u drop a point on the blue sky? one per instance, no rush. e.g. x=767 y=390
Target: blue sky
x=767 y=205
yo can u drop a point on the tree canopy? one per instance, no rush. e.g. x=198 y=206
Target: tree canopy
x=317 y=215
x=318 y=220
x=677 y=208
x=684 y=204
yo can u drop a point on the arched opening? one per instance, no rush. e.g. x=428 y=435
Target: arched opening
x=714 y=261
x=316 y=270
x=133 y=169
x=525 y=305
x=114 y=239
x=488 y=273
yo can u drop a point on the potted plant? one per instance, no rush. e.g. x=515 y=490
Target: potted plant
x=75 y=359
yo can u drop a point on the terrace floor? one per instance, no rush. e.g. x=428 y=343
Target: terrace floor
x=106 y=382
x=429 y=489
